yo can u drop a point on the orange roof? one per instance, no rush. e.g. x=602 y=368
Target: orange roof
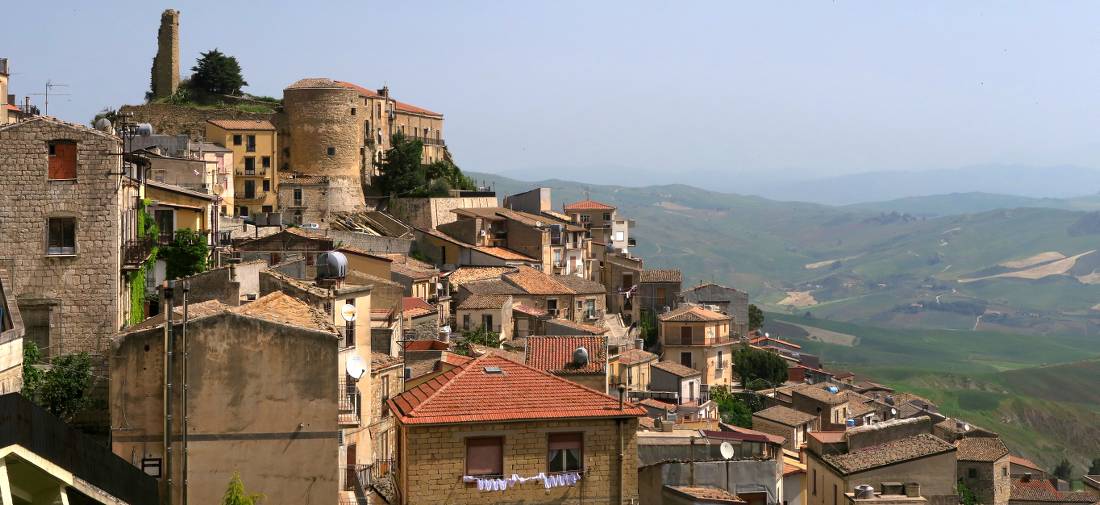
x=426 y=345
x=692 y=313
x=504 y=253
x=401 y=106
x=588 y=205
x=573 y=325
x=529 y=310
x=242 y=124
x=1024 y=462
x=11 y=107
x=554 y=354
x=758 y=340
x=493 y=389
x=412 y=306
x=789 y=469
x=828 y=437
x=537 y=282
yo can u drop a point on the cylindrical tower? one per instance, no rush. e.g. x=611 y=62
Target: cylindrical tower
x=326 y=130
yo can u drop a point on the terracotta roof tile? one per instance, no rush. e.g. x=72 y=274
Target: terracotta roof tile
x=1024 y=462
x=1040 y=490
x=731 y=432
x=537 y=282
x=426 y=345
x=381 y=361
x=586 y=329
x=314 y=82
x=817 y=392
x=675 y=369
x=463 y=275
x=706 y=495
x=282 y=308
x=492 y=389
x=491 y=287
x=785 y=415
x=657 y=404
x=588 y=205
x=242 y=124
x=981 y=449
x=529 y=310
x=483 y=301
x=692 y=313
x=894 y=451
x=411 y=267
x=412 y=307
x=635 y=356
x=581 y=285
x=660 y=276
x=401 y=106
x=194 y=311
x=554 y=354
x=504 y=253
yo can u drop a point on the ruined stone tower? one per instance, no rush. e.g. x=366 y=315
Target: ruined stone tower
x=166 y=64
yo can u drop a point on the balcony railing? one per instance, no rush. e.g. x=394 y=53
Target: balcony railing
x=355 y=478
x=672 y=397
x=135 y=252
x=258 y=195
x=428 y=141
x=255 y=172
x=347 y=401
x=680 y=340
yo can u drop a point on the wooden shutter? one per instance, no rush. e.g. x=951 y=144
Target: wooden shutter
x=485 y=456
x=62 y=163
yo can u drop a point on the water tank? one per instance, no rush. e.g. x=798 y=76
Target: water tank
x=104 y=125
x=580 y=357
x=864 y=491
x=332 y=265
x=143 y=129
x=832 y=389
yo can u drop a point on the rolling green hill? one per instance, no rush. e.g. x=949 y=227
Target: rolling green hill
x=1042 y=396
x=866 y=266
x=973 y=203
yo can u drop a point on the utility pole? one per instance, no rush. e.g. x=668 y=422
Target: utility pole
x=183 y=335
x=167 y=297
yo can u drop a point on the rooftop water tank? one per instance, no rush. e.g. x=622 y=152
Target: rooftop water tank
x=144 y=129
x=864 y=491
x=332 y=265
x=580 y=357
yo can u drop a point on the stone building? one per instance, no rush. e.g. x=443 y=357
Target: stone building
x=826 y=401
x=11 y=339
x=70 y=228
x=658 y=290
x=794 y=426
x=698 y=338
x=166 y=64
x=561 y=296
x=255 y=162
x=730 y=301
x=387 y=380
x=491 y=418
x=983 y=466
x=281 y=435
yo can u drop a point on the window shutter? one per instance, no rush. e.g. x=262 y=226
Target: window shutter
x=485 y=456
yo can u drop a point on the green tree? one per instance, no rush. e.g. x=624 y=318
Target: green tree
x=217 y=73
x=1063 y=470
x=731 y=409
x=236 y=495
x=756 y=367
x=756 y=317
x=62 y=388
x=186 y=255
x=481 y=336
x=402 y=173
x=647 y=325
x=1094 y=468
x=966 y=495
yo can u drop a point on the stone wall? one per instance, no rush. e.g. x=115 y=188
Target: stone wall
x=372 y=243
x=434 y=462
x=427 y=213
x=183 y=120
x=166 y=64
x=745 y=476
x=71 y=303
x=320 y=119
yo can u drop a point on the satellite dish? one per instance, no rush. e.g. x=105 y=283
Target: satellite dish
x=893 y=412
x=966 y=427
x=355 y=367
x=727 y=450
x=766 y=335
x=348 y=312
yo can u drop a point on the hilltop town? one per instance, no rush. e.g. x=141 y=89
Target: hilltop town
x=305 y=296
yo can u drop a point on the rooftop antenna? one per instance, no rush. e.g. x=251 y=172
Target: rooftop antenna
x=46 y=96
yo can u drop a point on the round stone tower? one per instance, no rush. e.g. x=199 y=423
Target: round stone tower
x=324 y=123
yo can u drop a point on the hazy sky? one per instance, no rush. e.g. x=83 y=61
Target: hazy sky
x=634 y=89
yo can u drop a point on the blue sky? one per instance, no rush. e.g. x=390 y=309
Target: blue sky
x=636 y=91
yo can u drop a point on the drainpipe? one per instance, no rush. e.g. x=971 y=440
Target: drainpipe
x=167 y=449
x=622 y=450
x=183 y=335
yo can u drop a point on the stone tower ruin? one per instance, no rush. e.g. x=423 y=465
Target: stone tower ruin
x=166 y=64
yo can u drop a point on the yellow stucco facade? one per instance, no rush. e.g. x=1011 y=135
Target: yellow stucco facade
x=255 y=162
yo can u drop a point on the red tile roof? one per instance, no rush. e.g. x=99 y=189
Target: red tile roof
x=529 y=310
x=657 y=404
x=635 y=356
x=581 y=327
x=759 y=340
x=12 y=107
x=554 y=354
x=706 y=495
x=692 y=313
x=426 y=345
x=1041 y=490
x=401 y=106
x=1024 y=462
x=588 y=205
x=986 y=449
x=737 y=433
x=242 y=124
x=412 y=306
x=675 y=369
x=493 y=389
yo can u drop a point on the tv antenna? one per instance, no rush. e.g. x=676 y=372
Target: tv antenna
x=46 y=96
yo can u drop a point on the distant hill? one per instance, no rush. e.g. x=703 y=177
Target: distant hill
x=893 y=269
x=973 y=203
x=1032 y=182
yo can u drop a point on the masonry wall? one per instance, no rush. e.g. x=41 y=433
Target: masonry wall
x=433 y=463
x=83 y=296
x=935 y=474
x=281 y=435
x=790 y=435
x=183 y=120
x=991 y=484
x=166 y=64
x=745 y=476
x=428 y=213
x=372 y=243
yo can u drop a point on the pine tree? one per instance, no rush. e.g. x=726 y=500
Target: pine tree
x=217 y=74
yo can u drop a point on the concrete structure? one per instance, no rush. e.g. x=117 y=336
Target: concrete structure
x=428 y=213
x=70 y=229
x=571 y=243
x=387 y=380
x=889 y=493
x=730 y=301
x=698 y=338
x=166 y=64
x=602 y=221
x=561 y=296
x=9 y=111
x=43 y=460
x=280 y=435
x=254 y=144
x=493 y=417
x=11 y=339
x=199 y=166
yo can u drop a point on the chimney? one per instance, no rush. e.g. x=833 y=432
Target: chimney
x=912 y=489
x=385 y=91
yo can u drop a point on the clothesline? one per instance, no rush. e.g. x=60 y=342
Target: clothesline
x=505 y=483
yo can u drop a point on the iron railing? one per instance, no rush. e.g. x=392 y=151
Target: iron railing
x=135 y=252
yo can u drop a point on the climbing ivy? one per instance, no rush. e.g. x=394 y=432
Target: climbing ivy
x=146 y=227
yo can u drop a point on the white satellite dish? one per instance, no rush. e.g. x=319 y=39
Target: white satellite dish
x=966 y=427
x=348 y=312
x=893 y=412
x=766 y=335
x=355 y=367
x=726 y=449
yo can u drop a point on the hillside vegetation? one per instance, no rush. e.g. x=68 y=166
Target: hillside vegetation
x=888 y=269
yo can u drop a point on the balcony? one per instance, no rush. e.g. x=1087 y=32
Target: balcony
x=348 y=402
x=697 y=341
x=428 y=141
x=255 y=172
x=258 y=195
x=135 y=252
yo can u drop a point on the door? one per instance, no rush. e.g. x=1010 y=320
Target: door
x=685 y=335
x=349 y=474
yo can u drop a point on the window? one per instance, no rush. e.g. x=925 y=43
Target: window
x=834 y=494
x=628 y=280
x=685 y=359
x=487 y=321
x=249 y=165
x=661 y=295
x=606 y=216
x=972 y=473
x=585 y=218
x=349 y=326
x=685 y=335
x=1004 y=471
x=552 y=306
x=721 y=364
x=353 y=111
x=250 y=189
x=566 y=452
x=251 y=146
x=465 y=321
x=297 y=197
x=62 y=160
x=242 y=211
x=620 y=236
x=266 y=208
x=815 y=482
x=485 y=456
x=331 y=151
x=62 y=236
x=298 y=217
x=236 y=140
x=267 y=187
x=265 y=161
